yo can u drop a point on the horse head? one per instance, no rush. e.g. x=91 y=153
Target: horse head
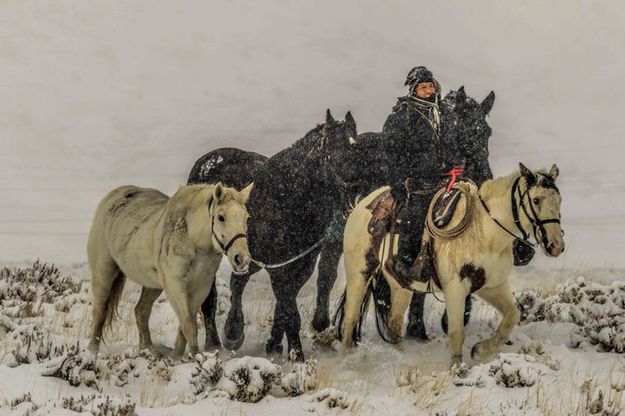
x=228 y=216
x=337 y=137
x=539 y=200
x=467 y=127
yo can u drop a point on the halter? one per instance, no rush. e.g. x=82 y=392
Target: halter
x=226 y=247
x=537 y=223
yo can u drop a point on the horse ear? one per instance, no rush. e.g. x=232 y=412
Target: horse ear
x=218 y=192
x=245 y=192
x=329 y=118
x=554 y=172
x=461 y=96
x=527 y=174
x=488 y=102
x=349 y=120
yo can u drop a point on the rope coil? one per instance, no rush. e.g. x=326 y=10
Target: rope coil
x=447 y=233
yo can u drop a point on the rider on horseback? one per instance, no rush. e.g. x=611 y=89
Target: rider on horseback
x=413 y=131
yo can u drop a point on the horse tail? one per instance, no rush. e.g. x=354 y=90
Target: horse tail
x=352 y=205
x=339 y=315
x=113 y=300
x=382 y=300
x=364 y=307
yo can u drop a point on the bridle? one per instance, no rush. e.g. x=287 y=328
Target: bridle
x=538 y=224
x=224 y=247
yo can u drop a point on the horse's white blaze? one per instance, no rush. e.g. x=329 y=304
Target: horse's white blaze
x=484 y=250
x=162 y=243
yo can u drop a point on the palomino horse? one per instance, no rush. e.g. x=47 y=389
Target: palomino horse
x=173 y=244
x=478 y=260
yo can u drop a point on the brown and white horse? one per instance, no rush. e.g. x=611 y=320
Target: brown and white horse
x=172 y=244
x=478 y=260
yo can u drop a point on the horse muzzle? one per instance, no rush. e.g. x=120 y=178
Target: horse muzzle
x=555 y=248
x=240 y=262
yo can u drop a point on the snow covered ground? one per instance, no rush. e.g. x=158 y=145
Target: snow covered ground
x=545 y=369
x=99 y=94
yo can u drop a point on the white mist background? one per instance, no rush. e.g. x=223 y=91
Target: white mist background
x=98 y=94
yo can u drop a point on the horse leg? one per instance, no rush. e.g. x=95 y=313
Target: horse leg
x=468 y=305
x=143 y=310
x=416 y=324
x=233 y=328
x=400 y=298
x=104 y=271
x=209 y=308
x=357 y=280
x=180 y=302
x=180 y=344
x=502 y=299
x=455 y=294
x=328 y=264
x=286 y=284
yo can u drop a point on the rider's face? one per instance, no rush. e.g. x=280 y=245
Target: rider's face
x=425 y=90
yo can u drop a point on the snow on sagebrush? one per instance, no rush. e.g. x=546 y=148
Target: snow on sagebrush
x=249 y=379
x=598 y=311
x=508 y=370
x=28 y=292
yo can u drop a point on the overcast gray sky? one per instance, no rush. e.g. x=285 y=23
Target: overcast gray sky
x=99 y=94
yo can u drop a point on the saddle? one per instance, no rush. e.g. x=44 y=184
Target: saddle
x=381 y=228
x=382 y=224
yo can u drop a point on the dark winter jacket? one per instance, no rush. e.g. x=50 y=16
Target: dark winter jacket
x=414 y=145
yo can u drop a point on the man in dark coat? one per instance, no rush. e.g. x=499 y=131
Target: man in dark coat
x=419 y=161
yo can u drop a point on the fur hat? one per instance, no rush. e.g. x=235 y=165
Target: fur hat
x=420 y=74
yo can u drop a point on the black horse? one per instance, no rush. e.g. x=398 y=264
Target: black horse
x=290 y=209
x=359 y=166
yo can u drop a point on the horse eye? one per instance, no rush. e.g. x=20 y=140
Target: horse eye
x=221 y=218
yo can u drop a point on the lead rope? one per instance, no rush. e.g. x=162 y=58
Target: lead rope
x=292 y=259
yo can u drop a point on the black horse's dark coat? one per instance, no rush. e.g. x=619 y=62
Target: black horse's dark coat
x=296 y=196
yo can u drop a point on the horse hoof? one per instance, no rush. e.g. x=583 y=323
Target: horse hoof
x=320 y=324
x=212 y=346
x=273 y=349
x=456 y=362
x=417 y=334
x=474 y=350
x=93 y=348
x=233 y=344
x=296 y=356
x=394 y=339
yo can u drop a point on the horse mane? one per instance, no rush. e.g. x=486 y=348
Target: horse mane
x=498 y=187
x=306 y=144
x=199 y=195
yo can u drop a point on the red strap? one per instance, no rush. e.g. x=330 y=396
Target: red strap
x=455 y=173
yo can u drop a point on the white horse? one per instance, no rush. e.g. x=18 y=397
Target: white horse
x=173 y=244
x=478 y=260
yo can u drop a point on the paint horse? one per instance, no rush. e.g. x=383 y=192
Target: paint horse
x=478 y=260
x=172 y=244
